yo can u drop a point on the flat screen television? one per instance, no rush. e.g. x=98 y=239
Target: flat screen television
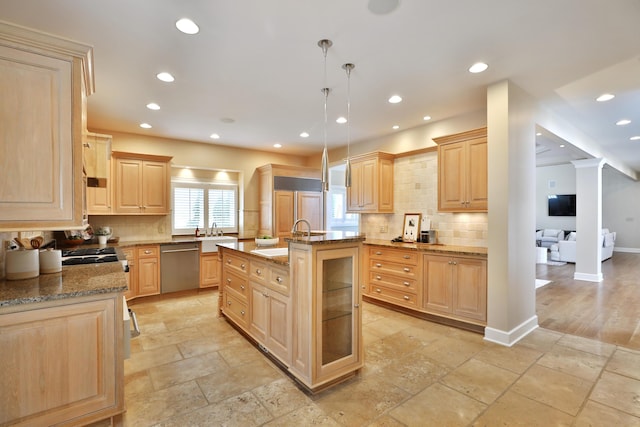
x=562 y=205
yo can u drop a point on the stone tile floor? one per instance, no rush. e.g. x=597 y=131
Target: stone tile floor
x=191 y=368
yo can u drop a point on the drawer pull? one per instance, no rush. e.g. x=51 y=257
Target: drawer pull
x=378 y=290
x=147 y=252
x=228 y=302
x=356 y=306
x=242 y=312
x=258 y=271
x=407 y=257
x=242 y=266
x=406 y=297
x=228 y=280
x=378 y=278
x=242 y=287
x=228 y=261
x=279 y=279
x=406 y=283
x=378 y=265
x=378 y=253
x=407 y=269
x=364 y=287
x=265 y=295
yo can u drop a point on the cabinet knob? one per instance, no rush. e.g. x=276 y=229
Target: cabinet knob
x=228 y=280
x=378 y=265
x=279 y=279
x=242 y=287
x=356 y=306
x=228 y=261
x=378 y=253
x=258 y=271
x=364 y=287
x=228 y=302
x=266 y=295
x=405 y=283
x=242 y=266
x=407 y=269
x=378 y=278
x=242 y=312
x=455 y=262
x=406 y=256
x=406 y=297
x=378 y=290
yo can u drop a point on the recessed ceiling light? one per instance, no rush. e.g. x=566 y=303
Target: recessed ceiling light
x=395 y=99
x=605 y=97
x=153 y=106
x=304 y=135
x=561 y=145
x=187 y=26
x=538 y=133
x=214 y=136
x=635 y=138
x=478 y=67
x=145 y=125
x=341 y=120
x=623 y=122
x=227 y=120
x=395 y=127
x=277 y=145
x=425 y=118
x=382 y=7
x=165 y=77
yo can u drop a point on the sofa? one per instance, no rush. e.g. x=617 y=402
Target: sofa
x=565 y=250
x=548 y=236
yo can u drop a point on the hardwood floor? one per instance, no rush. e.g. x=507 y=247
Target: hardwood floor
x=608 y=311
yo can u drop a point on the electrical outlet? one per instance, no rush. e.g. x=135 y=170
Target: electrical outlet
x=384 y=228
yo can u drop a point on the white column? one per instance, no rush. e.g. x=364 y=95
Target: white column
x=511 y=298
x=588 y=219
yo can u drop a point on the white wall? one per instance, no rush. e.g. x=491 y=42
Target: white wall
x=559 y=179
x=620 y=213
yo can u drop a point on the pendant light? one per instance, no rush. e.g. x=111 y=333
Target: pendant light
x=325 y=45
x=347 y=172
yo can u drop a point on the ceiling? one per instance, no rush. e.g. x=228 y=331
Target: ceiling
x=254 y=72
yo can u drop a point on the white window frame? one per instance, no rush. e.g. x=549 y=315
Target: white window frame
x=205 y=186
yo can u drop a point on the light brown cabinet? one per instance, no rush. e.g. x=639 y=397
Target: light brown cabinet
x=288 y=193
x=141 y=184
x=63 y=363
x=44 y=82
x=456 y=286
x=371 y=188
x=394 y=276
x=148 y=266
x=462 y=172
x=97 y=164
x=235 y=288
x=209 y=270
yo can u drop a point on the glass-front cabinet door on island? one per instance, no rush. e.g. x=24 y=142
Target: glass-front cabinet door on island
x=339 y=312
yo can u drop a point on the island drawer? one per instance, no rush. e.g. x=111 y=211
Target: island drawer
x=393 y=282
x=402 y=270
x=403 y=256
x=236 y=310
x=236 y=263
x=237 y=284
x=406 y=299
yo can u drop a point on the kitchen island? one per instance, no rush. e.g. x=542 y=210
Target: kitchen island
x=61 y=337
x=302 y=309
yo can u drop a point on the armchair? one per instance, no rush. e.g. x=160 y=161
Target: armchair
x=548 y=237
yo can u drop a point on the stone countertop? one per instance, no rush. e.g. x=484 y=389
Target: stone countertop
x=319 y=239
x=432 y=248
x=73 y=281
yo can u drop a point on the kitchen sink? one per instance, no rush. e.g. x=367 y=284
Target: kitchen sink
x=209 y=243
x=271 y=252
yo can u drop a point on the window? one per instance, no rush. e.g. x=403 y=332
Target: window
x=202 y=204
x=337 y=217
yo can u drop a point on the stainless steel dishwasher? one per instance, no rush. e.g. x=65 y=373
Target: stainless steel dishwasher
x=179 y=267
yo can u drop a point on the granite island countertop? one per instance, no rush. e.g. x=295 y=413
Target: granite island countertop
x=73 y=281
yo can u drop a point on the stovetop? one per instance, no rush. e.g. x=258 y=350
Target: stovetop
x=88 y=256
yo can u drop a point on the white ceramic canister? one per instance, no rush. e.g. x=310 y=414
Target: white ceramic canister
x=22 y=264
x=50 y=261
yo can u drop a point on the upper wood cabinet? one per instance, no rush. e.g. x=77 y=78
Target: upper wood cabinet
x=462 y=172
x=97 y=166
x=288 y=193
x=44 y=81
x=141 y=184
x=371 y=183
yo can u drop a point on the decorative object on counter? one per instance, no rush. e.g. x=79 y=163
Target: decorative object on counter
x=103 y=233
x=50 y=261
x=198 y=232
x=411 y=231
x=73 y=238
x=113 y=239
x=267 y=241
x=347 y=171
x=325 y=45
x=22 y=264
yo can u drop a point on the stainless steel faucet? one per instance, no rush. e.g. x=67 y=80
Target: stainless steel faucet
x=295 y=224
x=218 y=231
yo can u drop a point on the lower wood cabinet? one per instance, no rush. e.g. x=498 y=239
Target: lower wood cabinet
x=394 y=275
x=62 y=364
x=270 y=321
x=132 y=277
x=209 y=270
x=456 y=286
x=148 y=266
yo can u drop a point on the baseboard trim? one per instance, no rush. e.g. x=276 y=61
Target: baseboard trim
x=629 y=250
x=509 y=338
x=588 y=277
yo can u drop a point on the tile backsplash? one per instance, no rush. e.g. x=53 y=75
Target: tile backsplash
x=135 y=228
x=415 y=190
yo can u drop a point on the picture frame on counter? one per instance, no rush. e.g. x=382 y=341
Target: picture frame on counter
x=411 y=231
